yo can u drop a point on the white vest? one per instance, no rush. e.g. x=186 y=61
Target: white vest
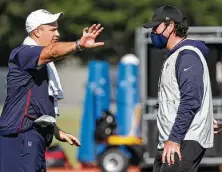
x=201 y=128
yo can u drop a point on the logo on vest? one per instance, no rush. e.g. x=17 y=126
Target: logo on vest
x=186 y=69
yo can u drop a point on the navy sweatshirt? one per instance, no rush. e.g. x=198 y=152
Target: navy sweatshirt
x=190 y=85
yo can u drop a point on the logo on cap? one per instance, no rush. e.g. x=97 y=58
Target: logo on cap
x=47 y=12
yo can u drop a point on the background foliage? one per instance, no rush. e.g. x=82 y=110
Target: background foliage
x=119 y=17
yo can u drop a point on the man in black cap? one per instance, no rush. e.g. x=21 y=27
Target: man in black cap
x=185 y=113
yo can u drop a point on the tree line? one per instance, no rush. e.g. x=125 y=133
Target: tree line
x=120 y=18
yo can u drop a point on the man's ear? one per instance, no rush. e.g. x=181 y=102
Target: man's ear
x=36 y=33
x=171 y=27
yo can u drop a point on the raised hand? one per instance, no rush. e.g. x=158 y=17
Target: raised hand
x=88 y=40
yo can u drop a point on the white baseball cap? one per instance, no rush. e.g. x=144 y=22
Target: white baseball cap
x=39 y=17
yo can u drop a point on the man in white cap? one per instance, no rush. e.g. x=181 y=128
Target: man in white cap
x=27 y=123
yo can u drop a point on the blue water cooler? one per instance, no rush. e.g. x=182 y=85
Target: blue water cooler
x=127 y=96
x=97 y=100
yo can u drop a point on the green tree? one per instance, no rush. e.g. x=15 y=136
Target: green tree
x=12 y=24
x=120 y=18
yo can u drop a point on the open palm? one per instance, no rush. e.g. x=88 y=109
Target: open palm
x=90 y=35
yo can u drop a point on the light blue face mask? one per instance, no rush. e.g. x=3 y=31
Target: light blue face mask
x=159 y=40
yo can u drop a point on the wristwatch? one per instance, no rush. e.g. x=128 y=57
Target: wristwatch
x=78 y=47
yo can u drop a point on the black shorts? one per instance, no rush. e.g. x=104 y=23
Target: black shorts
x=192 y=153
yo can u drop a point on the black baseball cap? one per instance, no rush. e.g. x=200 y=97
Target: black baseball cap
x=164 y=14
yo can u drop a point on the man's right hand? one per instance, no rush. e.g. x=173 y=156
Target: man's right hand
x=58 y=50
x=90 y=35
x=170 y=149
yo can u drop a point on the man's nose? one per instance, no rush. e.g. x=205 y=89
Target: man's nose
x=57 y=33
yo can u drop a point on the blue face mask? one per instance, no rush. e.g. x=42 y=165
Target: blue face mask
x=159 y=40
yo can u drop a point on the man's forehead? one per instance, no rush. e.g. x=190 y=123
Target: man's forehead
x=51 y=25
x=159 y=25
